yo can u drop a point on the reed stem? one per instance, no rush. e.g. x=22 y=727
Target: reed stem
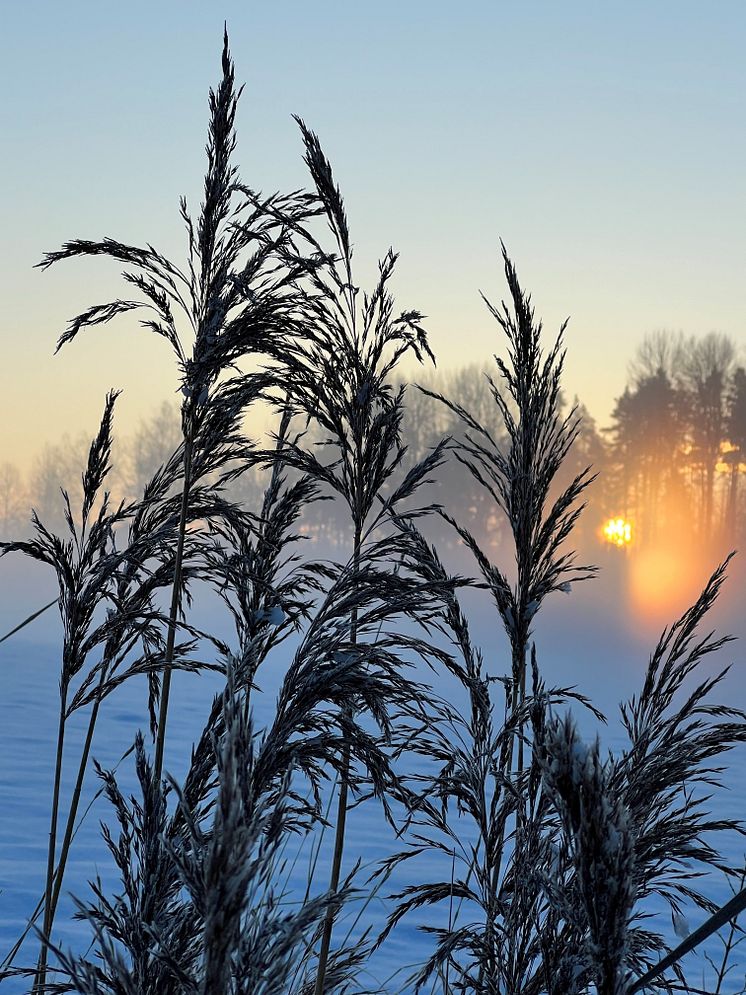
x=717 y=920
x=344 y=787
x=175 y=605
x=26 y=621
x=70 y=826
x=41 y=974
x=66 y=843
x=69 y=829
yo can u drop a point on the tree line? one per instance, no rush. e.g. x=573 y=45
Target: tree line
x=676 y=447
x=671 y=460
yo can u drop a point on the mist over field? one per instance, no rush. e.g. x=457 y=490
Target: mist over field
x=592 y=638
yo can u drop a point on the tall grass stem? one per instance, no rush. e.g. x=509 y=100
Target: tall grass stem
x=344 y=789
x=175 y=605
x=51 y=851
x=26 y=621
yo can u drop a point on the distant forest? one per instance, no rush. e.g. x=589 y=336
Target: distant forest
x=671 y=460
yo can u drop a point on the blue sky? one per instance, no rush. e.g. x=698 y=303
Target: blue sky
x=603 y=143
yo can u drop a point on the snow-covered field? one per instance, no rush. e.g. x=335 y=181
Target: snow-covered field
x=581 y=641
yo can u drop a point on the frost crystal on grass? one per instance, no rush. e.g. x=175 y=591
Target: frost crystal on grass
x=275 y=615
x=680 y=925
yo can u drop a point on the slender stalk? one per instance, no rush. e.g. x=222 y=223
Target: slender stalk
x=41 y=974
x=67 y=839
x=727 y=912
x=339 y=834
x=13 y=952
x=339 y=838
x=26 y=621
x=517 y=697
x=175 y=604
x=518 y=694
x=446 y=980
x=261 y=530
x=75 y=802
x=521 y=689
x=727 y=948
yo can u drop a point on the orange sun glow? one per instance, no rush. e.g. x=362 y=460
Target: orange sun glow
x=618 y=532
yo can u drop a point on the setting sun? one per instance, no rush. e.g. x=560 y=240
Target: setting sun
x=618 y=532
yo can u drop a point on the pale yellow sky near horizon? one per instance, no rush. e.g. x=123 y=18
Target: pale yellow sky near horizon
x=604 y=147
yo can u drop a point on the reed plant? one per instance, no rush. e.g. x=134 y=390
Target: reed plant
x=199 y=911
x=337 y=376
x=235 y=299
x=518 y=477
x=233 y=302
x=462 y=811
x=634 y=823
x=107 y=612
x=550 y=859
x=151 y=938
x=518 y=474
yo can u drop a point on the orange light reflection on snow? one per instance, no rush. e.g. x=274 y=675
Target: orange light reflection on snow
x=665 y=578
